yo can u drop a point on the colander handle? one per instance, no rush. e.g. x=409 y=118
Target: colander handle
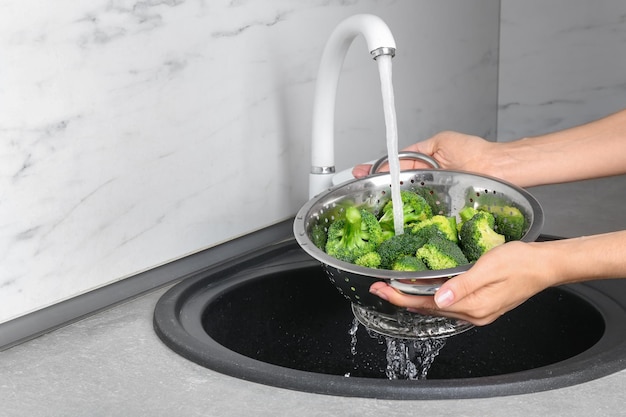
x=405 y=155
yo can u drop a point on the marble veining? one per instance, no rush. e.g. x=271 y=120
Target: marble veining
x=135 y=132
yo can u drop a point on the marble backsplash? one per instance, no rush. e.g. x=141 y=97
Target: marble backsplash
x=563 y=63
x=135 y=132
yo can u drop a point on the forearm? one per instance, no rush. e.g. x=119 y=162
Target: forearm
x=593 y=150
x=585 y=258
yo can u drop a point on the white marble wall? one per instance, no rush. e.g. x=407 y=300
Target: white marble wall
x=134 y=132
x=563 y=63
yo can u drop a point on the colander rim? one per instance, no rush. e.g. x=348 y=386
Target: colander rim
x=302 y=238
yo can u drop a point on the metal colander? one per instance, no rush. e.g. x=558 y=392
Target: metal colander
x=447 y=190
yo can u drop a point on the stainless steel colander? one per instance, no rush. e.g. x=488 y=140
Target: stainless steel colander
x=448 y=191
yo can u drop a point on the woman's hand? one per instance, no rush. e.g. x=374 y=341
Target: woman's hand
x=508 y=275
x=592 y=150
x=501 y=279
x=452 y=150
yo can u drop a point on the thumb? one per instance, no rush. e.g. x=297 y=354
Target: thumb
x=361 y=170
x=426 y=146
x=454 y=290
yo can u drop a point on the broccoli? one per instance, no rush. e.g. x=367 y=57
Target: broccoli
x=441 y=253
x=318 y=236
x=509 y=221
x=478 y=236
x=356 y=234
x=446 y=226
x=436 y=202
x=397 y=246
x=368 y=260
x=414 y=207
x=408 y=263
x=465 y=214
x=426 y=232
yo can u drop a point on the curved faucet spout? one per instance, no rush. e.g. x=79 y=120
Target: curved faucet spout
x=379 y=42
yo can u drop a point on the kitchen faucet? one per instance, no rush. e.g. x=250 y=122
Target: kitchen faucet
x=379 y=42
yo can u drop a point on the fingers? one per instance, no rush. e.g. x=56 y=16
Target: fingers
x=388 y=293
x=493 y=286
x=488 y=271
x=456 y=289
x=426 y=305
x=426 y=147
x=360 y=171
x=459 y=298
x=363 y=170
x=416 y=303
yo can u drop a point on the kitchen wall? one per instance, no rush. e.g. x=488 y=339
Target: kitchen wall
x=135 y=132
x=563 y=63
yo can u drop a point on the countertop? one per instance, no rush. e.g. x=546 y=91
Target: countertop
x=112 y=363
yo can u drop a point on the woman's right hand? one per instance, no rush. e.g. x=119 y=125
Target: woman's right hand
x=501 y=279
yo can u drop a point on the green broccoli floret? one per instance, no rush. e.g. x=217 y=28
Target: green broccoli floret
x=318 y=236
x=434 y=200
x=408 y=263
x=414 y=207
x=426 y=232
x=478 y=235
x=509 y=221
x=441 y=253
x=369 y=260
x=356 y=234
x=397 y=246
x=465 y=214
x=446 y=226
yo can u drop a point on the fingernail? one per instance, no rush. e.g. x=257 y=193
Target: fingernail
x=379 y=294
x=444 y=298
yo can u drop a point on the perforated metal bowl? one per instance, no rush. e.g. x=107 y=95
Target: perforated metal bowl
x=449 y=190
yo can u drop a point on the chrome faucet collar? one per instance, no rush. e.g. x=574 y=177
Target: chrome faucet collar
x=383 y=50
x=322 y=170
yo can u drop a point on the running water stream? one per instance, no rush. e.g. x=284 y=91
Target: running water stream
x=386 y=84
x=406 y=358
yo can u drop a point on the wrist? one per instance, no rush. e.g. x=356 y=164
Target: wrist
x=516 y=162
x=584 y=258
x=498 y=160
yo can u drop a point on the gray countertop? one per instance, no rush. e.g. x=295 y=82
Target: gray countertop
x=112 y=363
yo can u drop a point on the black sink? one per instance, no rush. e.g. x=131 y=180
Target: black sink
x=273 y=317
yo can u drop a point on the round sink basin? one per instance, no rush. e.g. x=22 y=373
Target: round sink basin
x=275 y=319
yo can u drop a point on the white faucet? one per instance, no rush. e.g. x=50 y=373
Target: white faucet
x=379 y=42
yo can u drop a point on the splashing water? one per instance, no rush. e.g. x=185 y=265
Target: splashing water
x=407 y=359
x=353 y=338
x=411 y=359
x=384 y=69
